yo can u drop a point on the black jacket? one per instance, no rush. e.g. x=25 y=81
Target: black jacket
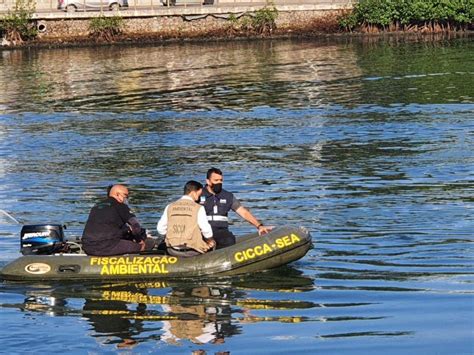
x=108 y=222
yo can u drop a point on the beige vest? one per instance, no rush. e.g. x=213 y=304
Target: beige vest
x=183 y=229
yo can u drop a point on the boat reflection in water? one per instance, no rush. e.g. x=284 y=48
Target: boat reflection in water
x=204 y=312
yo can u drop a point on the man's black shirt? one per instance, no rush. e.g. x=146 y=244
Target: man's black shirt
x=107 y=223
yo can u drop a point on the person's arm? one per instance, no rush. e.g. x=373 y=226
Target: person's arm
x=205 y=227
x=203 y=223
x=162 y=226
x=249 y=217
x=134 y=226
x=131 y=222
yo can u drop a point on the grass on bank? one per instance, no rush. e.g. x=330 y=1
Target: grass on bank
x=261 y=22
x=409 y=15
x=17 y=25
x=106 y=28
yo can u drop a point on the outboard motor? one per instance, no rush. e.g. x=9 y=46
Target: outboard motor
x=41 y=239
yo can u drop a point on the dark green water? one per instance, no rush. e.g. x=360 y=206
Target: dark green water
x=367 y=143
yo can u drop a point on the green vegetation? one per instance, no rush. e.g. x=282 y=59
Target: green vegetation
x=264 y=19
x=106 y=28
x=262 y=22
x=17 y=25
x=410 y=15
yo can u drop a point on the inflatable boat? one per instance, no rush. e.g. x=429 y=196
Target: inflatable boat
x=48 y=257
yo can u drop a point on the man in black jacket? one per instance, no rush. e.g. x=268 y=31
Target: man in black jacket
x=112 y=229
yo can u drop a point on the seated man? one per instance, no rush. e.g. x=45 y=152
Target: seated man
x=184 y=223
x=112 y=229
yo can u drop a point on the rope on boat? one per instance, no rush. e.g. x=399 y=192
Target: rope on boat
x=77 y=245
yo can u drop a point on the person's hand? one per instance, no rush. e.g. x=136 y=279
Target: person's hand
x=264 y=229
x=211 y=243
x=202 y=250
x=142 y=245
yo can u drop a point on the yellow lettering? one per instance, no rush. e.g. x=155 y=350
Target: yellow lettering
x=280 y=243
x=250 y=253
x=94 y=261
x=238 y=257
x=256 y=251
x=286 y=240
x=294 y=238
x=159 y=269
x=124 y=268
x=267 y=249
x=172 y=259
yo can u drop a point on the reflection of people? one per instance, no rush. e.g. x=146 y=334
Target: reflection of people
x=198 y=320
x=198 y=330
x=184 y=223
x=218 y=202
x=114 y=317
x=108 y=318
x=112 y=229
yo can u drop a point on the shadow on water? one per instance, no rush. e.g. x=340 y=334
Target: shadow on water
x=127 y=313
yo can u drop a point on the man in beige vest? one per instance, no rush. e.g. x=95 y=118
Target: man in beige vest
x=184 y=222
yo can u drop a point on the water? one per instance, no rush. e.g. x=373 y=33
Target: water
x=366 y=143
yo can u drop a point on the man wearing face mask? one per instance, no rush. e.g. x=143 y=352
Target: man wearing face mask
x=112 y=229
x=218 y=202
x=184 y=222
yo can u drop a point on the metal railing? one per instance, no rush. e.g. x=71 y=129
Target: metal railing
x=81 y=6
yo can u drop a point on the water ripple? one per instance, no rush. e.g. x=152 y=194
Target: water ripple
x=366 y=145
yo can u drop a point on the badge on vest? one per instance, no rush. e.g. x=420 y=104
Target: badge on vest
x=223 y=200
x=202 y=199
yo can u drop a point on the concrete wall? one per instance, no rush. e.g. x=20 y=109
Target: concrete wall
x=179 y=26
x=187 y=21
x=50 y=6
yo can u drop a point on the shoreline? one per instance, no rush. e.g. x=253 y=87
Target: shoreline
x=238 y=22
x=157 y=39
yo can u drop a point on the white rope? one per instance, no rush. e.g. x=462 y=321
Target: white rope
x=77 y=245
x=10 y=216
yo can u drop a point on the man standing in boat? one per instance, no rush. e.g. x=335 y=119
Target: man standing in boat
x=218 y=202
x=112 y=228
x=185 y=224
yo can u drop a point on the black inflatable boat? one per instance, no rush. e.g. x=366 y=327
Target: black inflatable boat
x=59 y=260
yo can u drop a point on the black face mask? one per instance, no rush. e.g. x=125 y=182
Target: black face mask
x=217 y=188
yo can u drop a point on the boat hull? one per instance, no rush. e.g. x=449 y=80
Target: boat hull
x=252 y=253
